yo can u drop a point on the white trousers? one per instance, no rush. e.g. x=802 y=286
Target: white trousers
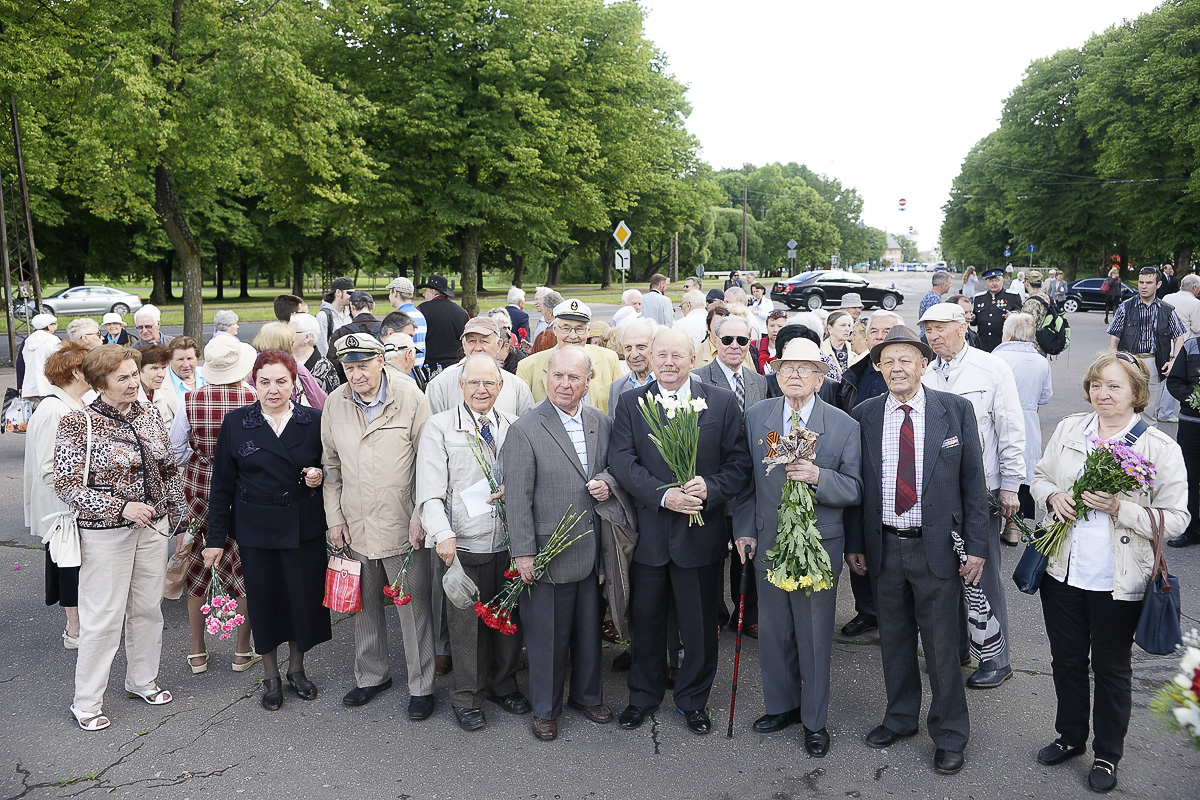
x=121 y=581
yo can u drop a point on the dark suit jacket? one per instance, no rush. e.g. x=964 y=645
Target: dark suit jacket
x=543 y=476
x=723 y=461
x=840 y=484
x=251 y=460
x=953 y=492
x=756 y=385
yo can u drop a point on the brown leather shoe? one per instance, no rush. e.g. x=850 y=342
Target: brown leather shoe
x=601 y=714
x=546 y=729
x=443 y=665
x=751 y=630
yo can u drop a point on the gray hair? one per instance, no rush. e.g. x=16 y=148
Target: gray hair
x=515 y=295
x=305 y=324
x=735 y=294
x=79 y=327
x=628 y=295
x=881 y=314
x=551 y=299
x=501 y=315
x=224 y=320
x=1019 y=328
x=638 y=322
x=728 y=318
x=811 y=320
x=695 y=297
x=940 y=277
x=1189 y=282
x=480 y=357
x=148 y=312
x=587 y=360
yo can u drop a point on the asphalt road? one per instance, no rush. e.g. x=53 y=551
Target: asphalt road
x=215 y=741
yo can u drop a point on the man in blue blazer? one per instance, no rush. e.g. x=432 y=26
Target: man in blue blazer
x=672 y=558
x=922 y=480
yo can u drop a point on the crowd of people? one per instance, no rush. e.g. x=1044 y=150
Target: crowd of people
x=397 y=441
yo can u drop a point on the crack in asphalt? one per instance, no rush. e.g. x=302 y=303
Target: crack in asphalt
x=155 y=782
x=164 y=719
x=654 y=731
x=207 y=724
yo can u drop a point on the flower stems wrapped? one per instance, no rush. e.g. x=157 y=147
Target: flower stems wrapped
x=476 y=445
x=798 y=559
x=220 y=610
x=675 y=431
x=498 y=612
x=395 y=590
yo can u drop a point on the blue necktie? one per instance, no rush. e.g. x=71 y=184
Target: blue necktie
x=485 y=431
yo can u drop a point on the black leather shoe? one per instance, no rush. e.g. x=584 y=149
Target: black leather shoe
x=697 y=721
x=420 y=706
x=988 y=678
x=622 y=662
x=514 y=703
x=884 y=736
x=470 y=719
x=633 y=716
x=1057 y=752
x=1103 y=777
x=272 y=699
x=947 y=762
x=301 y=685
x=773 y=723
x=816 y=743
x=1185 y=539
x=859 y=625
x=361 y=695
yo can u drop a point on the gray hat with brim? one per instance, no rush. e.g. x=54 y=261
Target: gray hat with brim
x=902 y=334
x=358 y=347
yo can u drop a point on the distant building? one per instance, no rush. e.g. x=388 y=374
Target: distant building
x=894 y=253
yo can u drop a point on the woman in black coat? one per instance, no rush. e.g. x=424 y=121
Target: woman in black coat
x=266 y=495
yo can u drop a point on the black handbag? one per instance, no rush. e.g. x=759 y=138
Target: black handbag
x=1030 y=568
x=1158 y=631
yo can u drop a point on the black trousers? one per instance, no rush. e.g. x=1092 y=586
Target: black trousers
x=1189 y=442
x=735 y=586
x=1078 y=623
x=696 y=591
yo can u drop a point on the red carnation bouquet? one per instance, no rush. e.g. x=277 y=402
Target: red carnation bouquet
x=498 y=613
x=395 y=590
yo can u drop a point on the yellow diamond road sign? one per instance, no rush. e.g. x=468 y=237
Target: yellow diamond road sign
x=622 y=233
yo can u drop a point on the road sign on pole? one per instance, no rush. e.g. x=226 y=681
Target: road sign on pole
x=622 y=233
x=622 y=264
x=792 y=244
x=1007 y=252
x=835 y=260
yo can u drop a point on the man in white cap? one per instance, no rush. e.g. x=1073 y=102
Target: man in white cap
x=480 y=335
x=572 y=322
x=38 y=346
x=987 y=381
x=400 y=295
x=852 y=304
x=370 y=428
x=399 y=351
x=114 y=330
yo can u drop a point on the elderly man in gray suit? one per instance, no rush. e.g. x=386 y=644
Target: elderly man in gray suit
x=923 y=480
x=797 y=632
x=636 y=338
x=728 y=371
x=551 y=459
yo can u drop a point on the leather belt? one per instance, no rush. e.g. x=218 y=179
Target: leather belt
x=903 y=533
x=278 y=499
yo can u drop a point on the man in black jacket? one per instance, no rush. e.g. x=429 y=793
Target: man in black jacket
x=446 y=320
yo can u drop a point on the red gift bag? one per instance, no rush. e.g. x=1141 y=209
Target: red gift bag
x=343 y=585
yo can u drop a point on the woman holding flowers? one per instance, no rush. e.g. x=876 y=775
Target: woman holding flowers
x=791 y=518
x=266 y=479
x=1098 y=569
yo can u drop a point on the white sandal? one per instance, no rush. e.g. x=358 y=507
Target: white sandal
x=197 y=669
x=91 y=722
x=70 y=642
x=158 y=697
x=252 y=655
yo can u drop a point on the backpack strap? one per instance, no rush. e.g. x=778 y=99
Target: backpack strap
x=1135 y=433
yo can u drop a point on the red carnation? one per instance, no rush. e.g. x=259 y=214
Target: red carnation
x=511 y=573
x=403 y=601
x=1196 y=681
x=508 y=629
x=391 y=591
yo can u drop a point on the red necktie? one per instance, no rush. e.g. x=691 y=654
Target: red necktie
x=906 y=468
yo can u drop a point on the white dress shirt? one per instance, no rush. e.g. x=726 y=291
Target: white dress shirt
x=574 y=426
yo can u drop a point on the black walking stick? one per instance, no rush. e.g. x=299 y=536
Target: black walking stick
x=737 y=647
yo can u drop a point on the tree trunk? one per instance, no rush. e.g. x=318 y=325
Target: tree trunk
x=158 y=295
x=1183 y=261
x=606 y=265
x=270 y=280
x=298 y=273
x=244 y=276
x=418 y=269
x=518 y=277
x=1071 y=268
x=219 y=277
x=187 y=247
x=552 y=270
x=470 y=269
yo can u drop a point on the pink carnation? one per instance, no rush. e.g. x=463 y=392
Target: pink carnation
x=231 y=606
x=204 y=609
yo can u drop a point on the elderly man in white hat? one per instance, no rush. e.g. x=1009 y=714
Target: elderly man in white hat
x=572 y=322
x=38 y=346
x=114 y=330
x=796 y=628
x=987 y=381
x=852 y=304
x=400 y=295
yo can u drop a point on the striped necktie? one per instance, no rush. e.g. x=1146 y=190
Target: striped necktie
x=906 y=467
x=739 y=390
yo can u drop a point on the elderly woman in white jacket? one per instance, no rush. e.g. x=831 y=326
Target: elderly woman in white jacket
x=1093 y=587
x=38 y=347
x=455 y=522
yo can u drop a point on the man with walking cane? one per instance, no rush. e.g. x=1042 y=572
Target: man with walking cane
x=796 y=627
x=737 y=648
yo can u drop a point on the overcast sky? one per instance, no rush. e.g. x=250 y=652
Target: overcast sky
x=886 y=96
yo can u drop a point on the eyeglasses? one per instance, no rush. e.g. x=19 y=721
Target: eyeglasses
x=1148 y=271
x=576 y=329
x=741 y=340
x=803 y=372
x=777 y=315
x=475 y=384
x=145 y=327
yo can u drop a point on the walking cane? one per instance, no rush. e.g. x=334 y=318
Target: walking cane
x=737 y=647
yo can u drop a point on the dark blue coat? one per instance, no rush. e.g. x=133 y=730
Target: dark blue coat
x=258 y=494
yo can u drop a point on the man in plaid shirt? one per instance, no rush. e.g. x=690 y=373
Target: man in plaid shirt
x=1151 y=330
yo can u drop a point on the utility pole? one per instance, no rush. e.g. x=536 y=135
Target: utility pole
x=24 y=266
x=744 y=212
x=674 y=258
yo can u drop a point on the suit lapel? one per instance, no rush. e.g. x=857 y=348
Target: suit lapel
x=553 y=424
x=816 y=420
x=872 y=424
x=591 y=440
x=935 y=433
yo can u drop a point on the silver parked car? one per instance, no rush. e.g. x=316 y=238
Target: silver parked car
x=79 y=300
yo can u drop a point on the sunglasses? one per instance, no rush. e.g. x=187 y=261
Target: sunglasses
x=144 y=327
x=741 y=340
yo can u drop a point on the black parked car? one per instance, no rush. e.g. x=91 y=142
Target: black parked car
x=826 y=287
x=1085 y=294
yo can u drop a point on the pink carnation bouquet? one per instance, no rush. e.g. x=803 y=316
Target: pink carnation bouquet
x=220 y=610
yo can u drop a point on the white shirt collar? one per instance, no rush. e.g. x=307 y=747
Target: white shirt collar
x=565 y=417
x=684 y=392
x=728 y=372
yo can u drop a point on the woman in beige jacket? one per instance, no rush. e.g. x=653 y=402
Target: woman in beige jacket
x=1093 y=587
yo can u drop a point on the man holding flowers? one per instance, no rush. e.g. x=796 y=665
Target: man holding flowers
x=551 y=458
x=796 y=625
x=455 y=446
x=674 y=556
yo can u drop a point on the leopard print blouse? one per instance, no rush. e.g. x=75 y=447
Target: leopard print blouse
x=122 y=447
